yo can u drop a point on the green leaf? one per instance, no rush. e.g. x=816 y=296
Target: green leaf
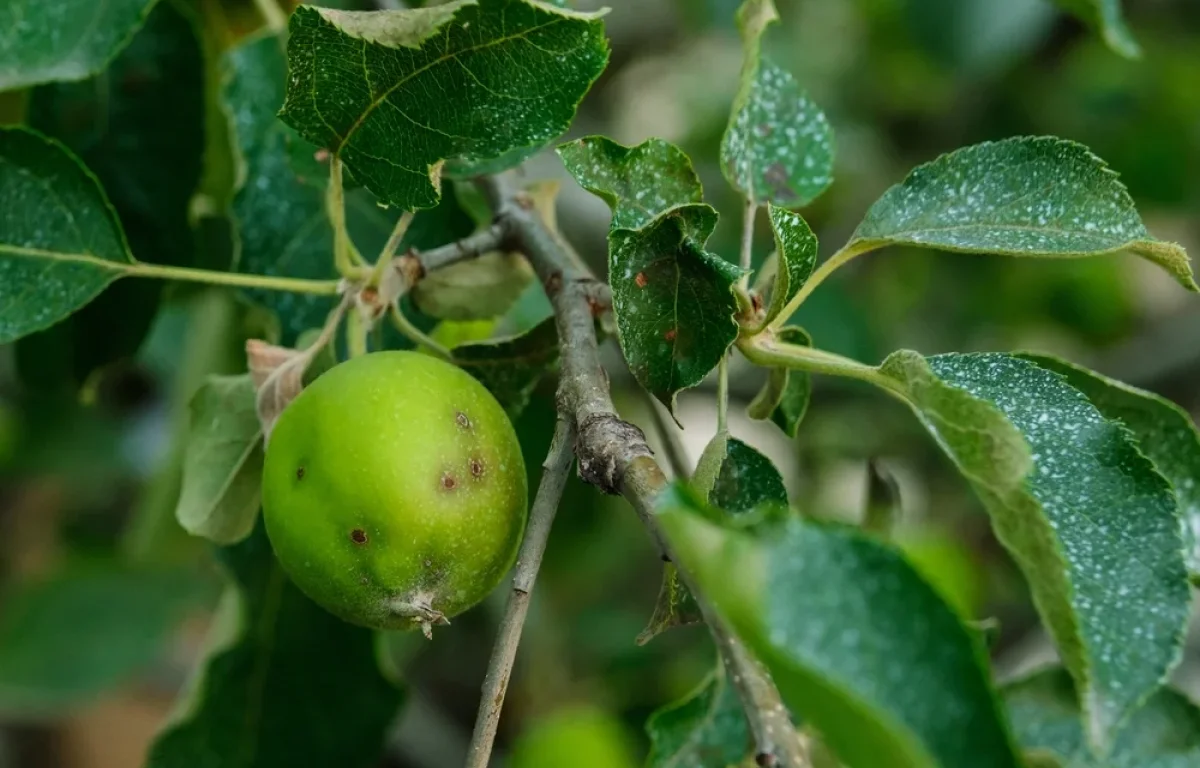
x=511 y=368
x=1105 y=17
x=672 y=300
x=139 y=127
x=395 y=93
x=638 y=183
x=63 y=40
x=705 y=729
x=796 y=251
x=1164 y=433
x=281 y=224
x=785 y=395
x=736 y=478
x=778 y=147
x=676 y=607
x=285 y=683
x=1041 y=197
x=279 y=207
x=67 y=639
x=1089 y=521
x=858 y=644
x=1163 y=733
x=60 y=241
x=222 y=466
x=477 y=289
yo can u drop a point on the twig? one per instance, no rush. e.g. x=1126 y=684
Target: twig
x=776 y=740
x=470 y=247
x=613 y=454
x=495 y=682
x=672 y=446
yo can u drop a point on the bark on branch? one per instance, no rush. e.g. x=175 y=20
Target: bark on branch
x=613 y=454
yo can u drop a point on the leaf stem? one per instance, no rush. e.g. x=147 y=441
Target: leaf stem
x=272 y=15
x=356 y=334
x=827 y=268
x=749 y=213
x=555 y=471
x=415 y=335
x=392 y=245
x=765 y=351
x=723 y=393
x=237 y=279
x=346 y=257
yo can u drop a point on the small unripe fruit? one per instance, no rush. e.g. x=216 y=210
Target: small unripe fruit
x=394 y=491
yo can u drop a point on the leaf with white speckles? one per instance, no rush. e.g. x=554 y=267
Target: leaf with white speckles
x=673 y=300
x=510 y=368
x=277 y=659
x=1091 y=524
x=638 y=183
x=736 y=479
x=279 y=207
x=1164 y=432
x=796 y=251
x=1163 y=733
x=778 y=147
x=1041 y=197
x=857 y=643
x=63 y=40
x=396 y=93
x=60 y=241
x=785 y=394
x=705 y=729
x=222 y=466
x=1105 y=17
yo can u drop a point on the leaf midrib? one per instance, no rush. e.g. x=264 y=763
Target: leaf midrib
x=342 y=141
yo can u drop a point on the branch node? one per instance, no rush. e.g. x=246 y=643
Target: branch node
x=605 y=446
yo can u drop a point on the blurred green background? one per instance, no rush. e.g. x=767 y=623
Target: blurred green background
x=104 y=602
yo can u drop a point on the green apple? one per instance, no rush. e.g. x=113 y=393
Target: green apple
x=394 y=491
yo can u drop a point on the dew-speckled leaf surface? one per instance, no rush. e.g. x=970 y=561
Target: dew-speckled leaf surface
x=1044 y=710
x=279 y=208
x=285 y=682
x=1089 y=521
x=60 y=241
x=1106 y=18
x=68 y=639
x=511 y=368
x=707 y=729
x=639 y=182
x=796 y=250
x=673 y=300
x=222 y=464
x=1164 y=432
x=395 y=93
x=778 y=146
x=858 y=644
x=1029 y=196
x=785 y=394
x=43 y=40
x=282 y=226
x=737 y=478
